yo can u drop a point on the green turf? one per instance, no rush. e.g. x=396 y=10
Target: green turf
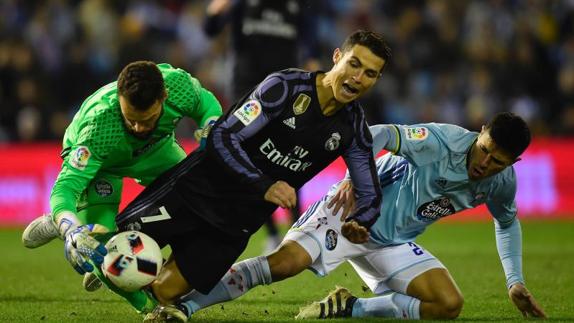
x=39 y=285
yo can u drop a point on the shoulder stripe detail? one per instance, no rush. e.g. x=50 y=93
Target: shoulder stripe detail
x=269 y=83
x=398 y=143
x=293 y=73
x=394 y=174
x=301 y=88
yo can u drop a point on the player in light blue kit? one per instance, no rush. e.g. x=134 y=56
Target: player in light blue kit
x=435 y=170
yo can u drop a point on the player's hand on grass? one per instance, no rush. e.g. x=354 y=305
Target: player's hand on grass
x=355 y=232
x=525 y=302
x=343 y=198
x=80 y=247
x=282 y=194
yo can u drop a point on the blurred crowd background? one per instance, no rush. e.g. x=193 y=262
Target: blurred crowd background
x=455 y=61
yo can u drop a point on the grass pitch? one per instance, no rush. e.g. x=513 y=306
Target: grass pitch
x=39 y=285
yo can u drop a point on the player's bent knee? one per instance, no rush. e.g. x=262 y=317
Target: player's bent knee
x=170 y=284
x=450 y=306
x=289 y=260
x=163 y=295
x=166 y=294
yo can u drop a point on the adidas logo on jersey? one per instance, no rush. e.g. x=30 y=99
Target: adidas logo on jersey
x=290 y=122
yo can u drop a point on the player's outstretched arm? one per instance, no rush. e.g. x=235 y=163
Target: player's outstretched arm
x=525 y=302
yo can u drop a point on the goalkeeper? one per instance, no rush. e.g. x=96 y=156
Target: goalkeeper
x=124 y=129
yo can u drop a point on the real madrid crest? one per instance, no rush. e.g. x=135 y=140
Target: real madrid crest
x=333 y=142
x=301 y=104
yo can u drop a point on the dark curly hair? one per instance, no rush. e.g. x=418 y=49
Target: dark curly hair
x=141 y=83
x=370 y=39
x=510 y=132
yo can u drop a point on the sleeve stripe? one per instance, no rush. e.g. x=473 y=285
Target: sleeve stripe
x=224 y=148
x=359 y=121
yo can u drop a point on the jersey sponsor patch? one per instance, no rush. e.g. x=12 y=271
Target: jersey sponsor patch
x=436 y=209
x=248 y=112
x=294 y=160
x=416 y=133
x=80 y=157
x=331 y=237
x=301 y=104
x=104 y=188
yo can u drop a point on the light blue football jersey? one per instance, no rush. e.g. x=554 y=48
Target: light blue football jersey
x=425 y=179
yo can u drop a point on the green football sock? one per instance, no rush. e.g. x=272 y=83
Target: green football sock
x=138 y=299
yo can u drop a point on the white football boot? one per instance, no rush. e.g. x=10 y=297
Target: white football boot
x=168 y=313
x=339 y=303
x=39 y=232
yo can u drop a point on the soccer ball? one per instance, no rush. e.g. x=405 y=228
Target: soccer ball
x=133 y=260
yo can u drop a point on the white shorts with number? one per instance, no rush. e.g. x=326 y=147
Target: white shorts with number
x=382 y=268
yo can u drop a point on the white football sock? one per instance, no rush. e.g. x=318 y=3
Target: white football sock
x=240 y=278
x=391 y=305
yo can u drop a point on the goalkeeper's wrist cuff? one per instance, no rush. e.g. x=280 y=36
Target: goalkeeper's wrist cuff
x=66 y=222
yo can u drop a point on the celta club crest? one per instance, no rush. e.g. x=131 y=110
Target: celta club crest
x=301 y=104
x=104 y=188
x=333 y=142
x=322 y=221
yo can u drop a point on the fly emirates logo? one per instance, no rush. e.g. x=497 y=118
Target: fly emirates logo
x=293 y=160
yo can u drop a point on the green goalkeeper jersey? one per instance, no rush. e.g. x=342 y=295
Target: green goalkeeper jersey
x=97 y=140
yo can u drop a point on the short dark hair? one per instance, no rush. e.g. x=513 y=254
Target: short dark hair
x=509 y=132
x=141 y=83
x=370 y=39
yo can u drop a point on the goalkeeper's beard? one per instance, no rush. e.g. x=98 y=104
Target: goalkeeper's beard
x=143 y=135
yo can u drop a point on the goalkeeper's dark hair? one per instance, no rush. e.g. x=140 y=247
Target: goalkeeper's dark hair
x=372 y=40
x=509 y=132
x=141 y=83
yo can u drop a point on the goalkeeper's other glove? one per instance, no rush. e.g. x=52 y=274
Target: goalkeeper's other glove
x=81 y=247
x=202 y=133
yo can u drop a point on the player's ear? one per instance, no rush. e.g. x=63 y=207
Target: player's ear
x=337 y=54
